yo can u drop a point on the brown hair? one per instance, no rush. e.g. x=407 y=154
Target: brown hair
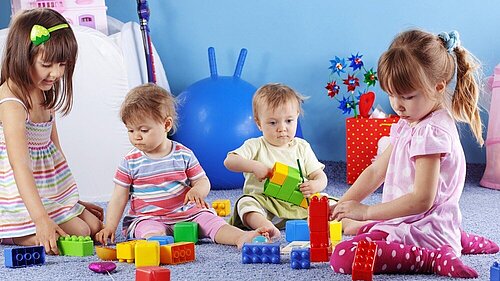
x=149 y=100
x=20 y=53
x=418 y=60
x=275 y=95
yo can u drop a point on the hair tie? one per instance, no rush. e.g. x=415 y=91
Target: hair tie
x=451 y=40
x=40 y=34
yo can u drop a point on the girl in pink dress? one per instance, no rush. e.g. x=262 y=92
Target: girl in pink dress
x=417 y=225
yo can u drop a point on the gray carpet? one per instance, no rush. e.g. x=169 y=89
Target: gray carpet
x=220 y=262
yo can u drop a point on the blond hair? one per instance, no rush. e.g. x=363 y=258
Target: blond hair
x=418 y=60
x=149 y=100
x=20 y=54
x=275 y=95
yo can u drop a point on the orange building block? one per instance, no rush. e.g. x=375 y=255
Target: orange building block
x=176 y=253
x=280 y=172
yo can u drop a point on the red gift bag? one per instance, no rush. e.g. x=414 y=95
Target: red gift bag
x=362 y=135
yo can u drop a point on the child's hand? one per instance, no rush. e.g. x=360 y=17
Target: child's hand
x=261 y=171
x=194 y=196
x=103 y=235
x=47 y=233
x=349 y=209
x=94 y=209
x=310 y=187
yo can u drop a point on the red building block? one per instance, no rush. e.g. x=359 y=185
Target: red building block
x=152 y=273
x=364 y=259
x=319 y=230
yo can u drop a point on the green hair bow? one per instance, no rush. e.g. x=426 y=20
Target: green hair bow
x=40 y=34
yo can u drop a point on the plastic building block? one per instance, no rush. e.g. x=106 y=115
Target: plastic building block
x=105 y=253
x=177 y=253
x=364 y=259
x=152 y=273
x=335 y=231
x=186 y=232
x=147 y=253
x=222 y=207
x=296 y=230
x=125 y=251
x=284 y=184
x=295 y=244
x=24 y=256
x=76 y=246
x=280 y=172
x=163 y=240
x=260 y=253
x=495 y=272
x=300 y=259
x=319 y=230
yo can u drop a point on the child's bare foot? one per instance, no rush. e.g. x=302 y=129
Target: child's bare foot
x=351 y=227
x=250 y=235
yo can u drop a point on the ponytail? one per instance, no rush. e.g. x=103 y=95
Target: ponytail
x=464 y=104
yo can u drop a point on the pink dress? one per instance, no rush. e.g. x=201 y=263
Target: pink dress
x=441 y=224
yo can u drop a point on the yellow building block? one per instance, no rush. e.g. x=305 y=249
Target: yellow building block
x=147 y=253
x=305 y=203
x=335 y=231
x=125 y=251
x=280 y=172
x=222 y=207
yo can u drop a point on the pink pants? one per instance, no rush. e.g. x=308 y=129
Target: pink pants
x=209 y=224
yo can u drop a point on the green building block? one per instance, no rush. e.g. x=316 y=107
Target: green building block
x=293 y=179
x=271 y=189
x=296 y=198
x=284 y=193
x=76 y=246
x=186 y=232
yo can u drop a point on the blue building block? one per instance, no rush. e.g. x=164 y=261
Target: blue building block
x=296 y=230
x=163 y=240
x=300 y=258
x=261 y=253
x=24 y=256
x=495 y=272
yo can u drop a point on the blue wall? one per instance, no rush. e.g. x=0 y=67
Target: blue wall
x=292 y=41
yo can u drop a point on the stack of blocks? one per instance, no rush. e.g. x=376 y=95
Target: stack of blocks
x=76 y=246
x=318 y=225
x=24 y=256
x=284 y=184
x=364 y=260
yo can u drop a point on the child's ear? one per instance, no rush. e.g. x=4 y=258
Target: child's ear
x=257 y=122
x=169 y=123
x=441 y=86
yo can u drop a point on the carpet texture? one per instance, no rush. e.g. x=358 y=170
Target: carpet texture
x=217 y=262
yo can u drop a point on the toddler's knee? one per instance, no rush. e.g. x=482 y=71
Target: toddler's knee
x=94 y=226
x=82 y=229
